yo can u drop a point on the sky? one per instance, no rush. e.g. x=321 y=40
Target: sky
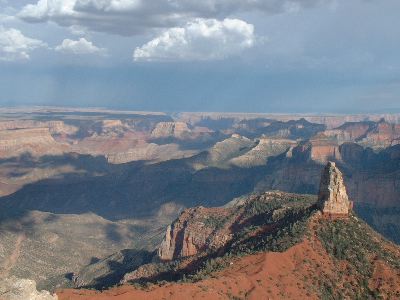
x=293 y=56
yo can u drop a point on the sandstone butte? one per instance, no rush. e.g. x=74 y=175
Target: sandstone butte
x=332 y=198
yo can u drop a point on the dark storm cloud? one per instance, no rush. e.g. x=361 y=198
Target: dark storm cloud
x=131 y=17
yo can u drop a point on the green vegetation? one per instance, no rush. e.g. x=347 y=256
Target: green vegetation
x=216 y=222
x=209 y=267
x=279 y=224
x=264 y=205
x=276 y=225
x=354 y=242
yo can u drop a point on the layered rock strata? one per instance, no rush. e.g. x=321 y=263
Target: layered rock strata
x=332 y=197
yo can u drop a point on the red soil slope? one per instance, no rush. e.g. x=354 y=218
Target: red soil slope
x=294 y=274
x=262 y=276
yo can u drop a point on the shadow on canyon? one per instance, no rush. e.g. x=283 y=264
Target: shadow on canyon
x=133 y=190
x=139 y=190
x=117 y=265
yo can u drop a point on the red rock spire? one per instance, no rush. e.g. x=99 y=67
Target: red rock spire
x=333 y=198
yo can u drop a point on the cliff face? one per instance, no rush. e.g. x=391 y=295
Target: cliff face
x=382 y=135
x=322 y=151
x=331 y=121
x=36 y=141
x=376 y=135
x=55 y=127
x=265 y=148
x=170 y=129
x=245 y=225
x=370 y=177
x=229 y=148
x=193 y=231
x=349 y=132
x=203 y=229
x=149 y=152
x=332 y=196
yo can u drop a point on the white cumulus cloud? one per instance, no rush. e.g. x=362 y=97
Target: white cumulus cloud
x=44 y=10
x=16 y=46
x=201 y=39
x=81 y=46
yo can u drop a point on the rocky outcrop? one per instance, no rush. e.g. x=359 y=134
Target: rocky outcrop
x=22 y=289
x=36 y=141
x=349 y=132
x=382 y=135
x=112 y=123
x=316 y=150
x=332 y=197
x=199 y=233
x=55 y=127
x=331 y=121
x=229 y=148
x=165 y=251
x=324 y=150
x=170 y=129
x=264 y=149
x=377 y=135
x=200 y=230
x=149 y=152
x=192 y=232
x=293 y=129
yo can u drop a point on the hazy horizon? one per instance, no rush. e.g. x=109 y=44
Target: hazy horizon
x=171 y=112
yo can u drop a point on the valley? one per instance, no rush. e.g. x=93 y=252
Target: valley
x=87 y=194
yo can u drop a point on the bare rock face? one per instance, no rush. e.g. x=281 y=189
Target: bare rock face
x=55 y=127
x=166 y=250
x=193 y=231
x=36 y=141
x=333 y=197
x=185 y=236
x=383 y=135
x=349 y=132
x=230 y=147
x=17 y=289
x=149 y=151
x=201 y=229
x=264 y=149
x=170 y=129
x=323 y=150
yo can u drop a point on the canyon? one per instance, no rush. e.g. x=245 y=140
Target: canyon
x=117 y=180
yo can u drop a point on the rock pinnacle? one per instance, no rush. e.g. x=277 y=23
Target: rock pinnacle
x=332 y=198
